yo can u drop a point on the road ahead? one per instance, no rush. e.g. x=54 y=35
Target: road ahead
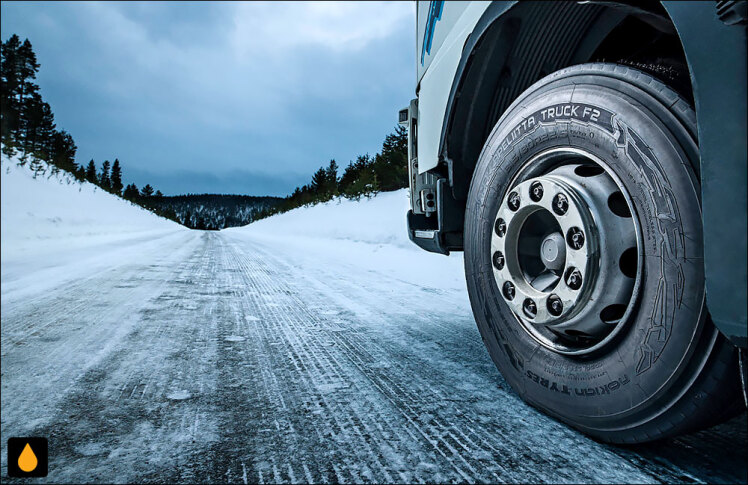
x=211 y=357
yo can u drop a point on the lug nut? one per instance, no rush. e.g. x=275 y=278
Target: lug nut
x=573 y=278
x=498 y=260
x=575 y=238
x=555 y=305
x=530 y=308
x=513 y=201
x=508 y=290
x=536 y=191
x=560 y=204
x=500 y=227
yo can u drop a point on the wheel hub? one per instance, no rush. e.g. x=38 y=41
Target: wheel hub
x=553 y=251
x=558 y=252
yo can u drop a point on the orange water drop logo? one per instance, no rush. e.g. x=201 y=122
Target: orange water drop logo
x=27 y=459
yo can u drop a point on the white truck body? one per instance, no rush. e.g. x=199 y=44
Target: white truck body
x=437 y=66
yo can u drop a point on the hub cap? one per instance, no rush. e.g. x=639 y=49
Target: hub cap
x=565 y=252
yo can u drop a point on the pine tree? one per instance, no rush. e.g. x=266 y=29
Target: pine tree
x=366 y=183
x=116 y=177
x=27 y=121
x=332 y=172
x=131 y=192
x=146 y=191
x=91 y=172
x=62 y=152
x=319 y=179
x=349 y=175
x=27 y=91
x=357 y=176
x=28 y=67
x=39 y=127
x=391 y=165
x=104 y=180
x=10 y=83
x=331 y=182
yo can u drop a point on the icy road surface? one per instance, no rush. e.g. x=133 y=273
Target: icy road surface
x=197 y=356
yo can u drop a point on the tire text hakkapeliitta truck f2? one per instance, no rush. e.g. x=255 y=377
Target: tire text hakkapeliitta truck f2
x=589 y=158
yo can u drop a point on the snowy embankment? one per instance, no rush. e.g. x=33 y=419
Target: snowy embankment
x=368 y=236
x=55 y=228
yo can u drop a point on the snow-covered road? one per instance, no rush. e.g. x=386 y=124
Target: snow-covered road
x=237 y=357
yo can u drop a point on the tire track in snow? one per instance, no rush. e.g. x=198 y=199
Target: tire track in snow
x=511 y=433
x=302 y=360
x=240 y=362
x=411 y=407
x=89 y=419
x=52 y=343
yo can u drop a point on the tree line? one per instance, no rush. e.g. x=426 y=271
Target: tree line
x=26 y=121
x=215 y=211
x=364 y=177
x=27 y=128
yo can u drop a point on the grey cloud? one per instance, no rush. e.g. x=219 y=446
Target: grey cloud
x=174 y=88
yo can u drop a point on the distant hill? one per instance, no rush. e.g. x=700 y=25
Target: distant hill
x=212 y=211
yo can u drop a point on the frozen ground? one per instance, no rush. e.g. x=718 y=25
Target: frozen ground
x=318 y=346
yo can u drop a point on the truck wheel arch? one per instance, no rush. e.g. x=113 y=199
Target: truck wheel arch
x=510 y=49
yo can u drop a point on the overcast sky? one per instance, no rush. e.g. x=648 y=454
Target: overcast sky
x=221 y=97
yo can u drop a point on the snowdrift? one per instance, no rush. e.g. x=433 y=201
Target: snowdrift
x=369 y=234
x=379 y=220
x=55 y=229
x=52 y=221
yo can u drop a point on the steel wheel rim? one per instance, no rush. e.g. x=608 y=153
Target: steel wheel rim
x=577 y=328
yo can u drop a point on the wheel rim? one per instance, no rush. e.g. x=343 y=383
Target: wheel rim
x=566 y=252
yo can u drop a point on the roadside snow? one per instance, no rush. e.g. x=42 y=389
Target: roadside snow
x=370 y=235
x=379 y=220
x=51 y=224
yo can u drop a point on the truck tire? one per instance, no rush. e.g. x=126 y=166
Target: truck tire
x=584 y=258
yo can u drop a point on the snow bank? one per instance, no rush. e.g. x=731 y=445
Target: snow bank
x=55 y=229
x=370 y=234
x=53 y=221
x=379 y=220
x=54 y=207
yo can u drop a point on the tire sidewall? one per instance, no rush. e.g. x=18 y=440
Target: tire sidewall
x=631 y=374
